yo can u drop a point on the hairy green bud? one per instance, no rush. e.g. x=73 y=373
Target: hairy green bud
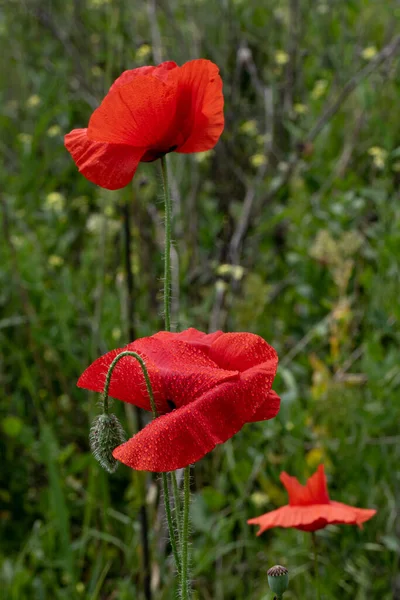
x=106 y=433
x=278 y=580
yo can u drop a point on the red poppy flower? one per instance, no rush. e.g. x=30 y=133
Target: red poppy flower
x=206 y=387
x=148 y=112
x=310 y=508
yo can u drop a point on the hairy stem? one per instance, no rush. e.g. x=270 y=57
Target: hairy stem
x=177 y=503
x=185 y=534
x=167 y=250
x=155 y=415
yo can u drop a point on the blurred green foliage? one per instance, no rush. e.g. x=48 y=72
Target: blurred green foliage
x=315 y=272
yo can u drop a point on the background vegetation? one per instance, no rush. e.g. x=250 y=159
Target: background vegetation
x=290 y=228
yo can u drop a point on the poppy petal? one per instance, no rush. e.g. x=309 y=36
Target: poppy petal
x=160 y=71
x=359 y=515
x=179 y=373
x=314 y=492
x=139 y=113
x=193 y=336
x=201 y=99
x=185 y=435
x=298 y=494
x=127 y=381
x=110 y=166
x=317 y=486
x=241 y=351
x=275 y=518
x=268 y=409
x=312 y=518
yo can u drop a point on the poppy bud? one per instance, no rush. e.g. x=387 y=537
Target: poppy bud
x=278 y=580
x=106 y=433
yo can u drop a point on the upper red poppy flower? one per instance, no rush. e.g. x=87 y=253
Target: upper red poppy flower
x=148 y=112
x=310 y=508
x=206 y=387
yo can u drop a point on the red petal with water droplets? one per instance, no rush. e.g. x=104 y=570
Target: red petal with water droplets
x=268 y=409
x=243 y=351
x=185 y=435
x=179 y=373
x=194 y=337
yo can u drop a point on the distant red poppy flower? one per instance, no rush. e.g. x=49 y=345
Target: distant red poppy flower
x=148 y=112
x=310 y=508
x=206 y=387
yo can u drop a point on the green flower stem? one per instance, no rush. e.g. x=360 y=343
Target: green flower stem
x=167 y=250
x=177 y=502
x=185 y=534
x=146 y=377
x=155 y=415
x=316 y=574
x=168 y=512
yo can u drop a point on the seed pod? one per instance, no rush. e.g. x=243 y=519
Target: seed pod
x=278 y=580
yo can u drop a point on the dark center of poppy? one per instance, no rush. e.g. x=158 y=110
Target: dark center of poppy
x=151 y=155
x=171 y=404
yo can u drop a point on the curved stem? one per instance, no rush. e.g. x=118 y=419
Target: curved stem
x=167 y=250
x=155 y=415
x=185 y=534
x=146 y=378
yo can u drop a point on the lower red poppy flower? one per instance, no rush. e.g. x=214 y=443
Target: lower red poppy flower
x=206 y=387
x=148 y=112
x=310 y=508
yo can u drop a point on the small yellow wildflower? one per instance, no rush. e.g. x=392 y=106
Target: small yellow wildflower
x=299 y=108
x=116 y=333
x=202 y=157
x=33 y=101
x=55 y=260
x=236 y=271
x=99 y=3
x=319 y=89
x=379 y=156
x=143 y=52
x=53 y=131
x=258 y=160
x=55 y=201
x=369 y=53
x=220 y=285
x=281 y=57
x=249 y=127
x=314 y=457
x=259 y=499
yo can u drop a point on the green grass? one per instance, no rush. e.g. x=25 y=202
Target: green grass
x=328 y=304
